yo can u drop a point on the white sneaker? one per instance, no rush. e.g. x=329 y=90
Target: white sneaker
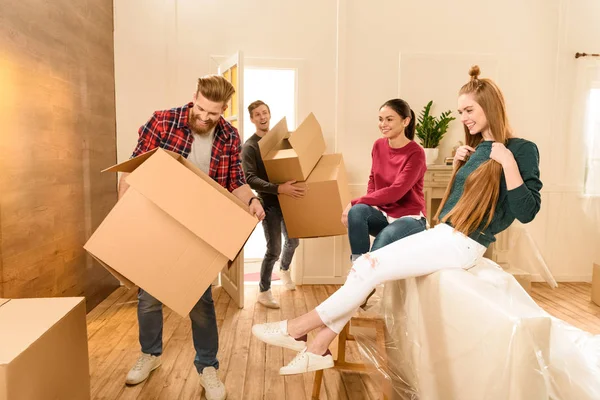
x=213 y=387
x=275 y=333
x=307 y=362
x=286 y=279
x=267 y=300
x=145 y=364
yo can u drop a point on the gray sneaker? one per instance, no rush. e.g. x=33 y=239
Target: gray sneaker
x=286 y=279
x=267 y=300
x=145 y=364
x=213 y=387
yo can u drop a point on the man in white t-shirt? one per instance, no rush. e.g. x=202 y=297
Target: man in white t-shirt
x=200 y=133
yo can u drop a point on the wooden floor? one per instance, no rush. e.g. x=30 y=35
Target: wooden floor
x=571 y=303
x=248 y=368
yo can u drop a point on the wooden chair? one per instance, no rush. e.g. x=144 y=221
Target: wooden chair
x=341 y=364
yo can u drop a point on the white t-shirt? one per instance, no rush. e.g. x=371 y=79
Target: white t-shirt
x=201 y=150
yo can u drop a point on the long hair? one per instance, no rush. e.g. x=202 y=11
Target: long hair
x=482 y=187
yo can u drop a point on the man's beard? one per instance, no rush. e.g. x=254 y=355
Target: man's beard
x=196 y=125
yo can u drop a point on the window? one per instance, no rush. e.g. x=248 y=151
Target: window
x=592 y=136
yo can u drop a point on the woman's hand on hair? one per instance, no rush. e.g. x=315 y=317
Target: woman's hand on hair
x=501 y=154
x=463 y=153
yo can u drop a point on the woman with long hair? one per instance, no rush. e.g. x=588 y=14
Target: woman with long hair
x=495 y=181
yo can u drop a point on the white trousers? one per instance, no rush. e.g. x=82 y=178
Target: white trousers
x=416 y=255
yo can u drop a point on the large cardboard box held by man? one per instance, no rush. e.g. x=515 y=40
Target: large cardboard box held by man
x=173 y=231
x=43 y=349
x=319 y=212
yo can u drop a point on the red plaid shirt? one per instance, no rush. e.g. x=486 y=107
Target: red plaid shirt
x=169 y=130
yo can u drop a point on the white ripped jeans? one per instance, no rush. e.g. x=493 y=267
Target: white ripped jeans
x=420 y=254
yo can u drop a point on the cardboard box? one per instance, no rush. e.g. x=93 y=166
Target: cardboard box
x=319 y=212
x=596 y=284
x=455 y=336
x=173 y=231
x=43 y=349
x=292 y=156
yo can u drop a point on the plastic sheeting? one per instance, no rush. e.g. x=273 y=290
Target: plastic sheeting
x=476 y=334
x=525 y=253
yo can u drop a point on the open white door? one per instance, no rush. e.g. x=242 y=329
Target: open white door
x=232 y=277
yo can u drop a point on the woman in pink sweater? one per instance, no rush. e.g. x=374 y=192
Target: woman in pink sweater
x=394 y=206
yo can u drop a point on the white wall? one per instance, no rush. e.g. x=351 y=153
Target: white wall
x=358 y=54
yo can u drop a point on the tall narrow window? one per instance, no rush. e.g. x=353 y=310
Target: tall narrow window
x=592 y=135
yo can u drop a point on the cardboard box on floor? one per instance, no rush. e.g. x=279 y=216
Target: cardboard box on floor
x=319 y=212
x=596 y=284
x=173 y=231
x=299 y=156
x=291 y=156
x=43 y=349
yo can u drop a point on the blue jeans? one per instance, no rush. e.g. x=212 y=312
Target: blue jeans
x=274 y=226
x=204 y=328
x=365 y=221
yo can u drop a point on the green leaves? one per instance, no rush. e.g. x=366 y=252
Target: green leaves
x=429 y=129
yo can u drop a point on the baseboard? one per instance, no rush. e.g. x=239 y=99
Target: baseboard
x=323 y=280
x=564 y=278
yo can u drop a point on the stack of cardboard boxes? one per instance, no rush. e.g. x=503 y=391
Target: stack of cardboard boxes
x=298 y=156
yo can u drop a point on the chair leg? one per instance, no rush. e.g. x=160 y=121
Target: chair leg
x=342 y=338
x=386 y=386
x=317 y=385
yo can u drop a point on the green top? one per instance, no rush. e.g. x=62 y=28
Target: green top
x=522 y=203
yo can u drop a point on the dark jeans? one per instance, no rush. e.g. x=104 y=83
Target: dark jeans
x=274 y=226
x=365 y=221
x=204 y=328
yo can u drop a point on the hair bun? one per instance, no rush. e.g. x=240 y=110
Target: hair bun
x=474 y=72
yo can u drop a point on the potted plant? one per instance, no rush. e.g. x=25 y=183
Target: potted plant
x=430 y=130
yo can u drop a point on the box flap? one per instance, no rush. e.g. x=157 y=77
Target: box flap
x=327 y=169
x=275 y=136
x=190 y=166
x=3 y=301
x=195 y=201
x=28 y=320
x=131 y=164
x=308 y=142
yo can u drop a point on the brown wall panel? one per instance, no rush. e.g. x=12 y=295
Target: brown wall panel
x=57 y=113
